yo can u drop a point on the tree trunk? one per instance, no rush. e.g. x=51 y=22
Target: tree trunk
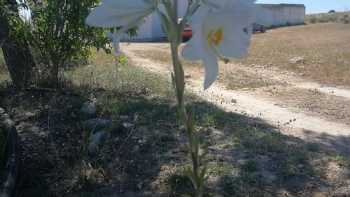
x=54 y=78
x=18 y=58
x=4 y=32
x=9 y=181
x=19 y=63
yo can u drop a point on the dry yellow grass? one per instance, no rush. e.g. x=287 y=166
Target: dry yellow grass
x=324 y=47
x=3 y=70
x=339 y=17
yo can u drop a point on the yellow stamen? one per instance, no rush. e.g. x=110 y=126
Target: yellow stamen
x=215 y=37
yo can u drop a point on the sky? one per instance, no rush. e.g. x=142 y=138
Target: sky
x=316 y=6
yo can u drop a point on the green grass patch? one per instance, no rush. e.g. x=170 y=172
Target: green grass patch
x=291 y=155
x=341 y=160
x=180 y=185
x=108 y=73
x=221 y=168
x=241 y=186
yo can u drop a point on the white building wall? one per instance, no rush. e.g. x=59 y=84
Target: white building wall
x=145 y=30
x=152 y=29
x=157 y=29
x=266 y=14
x=280 y=14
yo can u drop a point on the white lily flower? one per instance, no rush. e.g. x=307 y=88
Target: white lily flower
x=221 y=30
x=24 y=11
x=120 y=13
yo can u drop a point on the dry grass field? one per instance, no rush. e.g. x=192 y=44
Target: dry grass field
x=338 y=17
x=304 y=69
x=144 y=152
x=323 y=51
x=323 y=48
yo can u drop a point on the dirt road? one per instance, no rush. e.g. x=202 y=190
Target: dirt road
x=288 y=112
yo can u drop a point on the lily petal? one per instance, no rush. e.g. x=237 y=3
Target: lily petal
x=116 y=42
x=117 y=13
x=115 y=37
x=195 y=47
x=216 y=4
x=211 y=70
x=238 y=30
x=24 y=11
x=222 y=29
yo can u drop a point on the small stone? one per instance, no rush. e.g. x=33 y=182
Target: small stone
x=297 y=60
x=96 y=140
x=188 y=76
x=128 y=125
x=97 y=124
x=88 y=110
x=342 y=191
x=29 y=114
x=268 y=176
x=136 y=148
x=242 y=162
x=139 y=186
x=124 y=117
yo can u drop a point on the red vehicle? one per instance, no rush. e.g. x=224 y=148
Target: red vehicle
x=187 y=33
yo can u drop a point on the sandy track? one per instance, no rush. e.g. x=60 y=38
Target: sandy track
x=324 y=89
x=248 y=103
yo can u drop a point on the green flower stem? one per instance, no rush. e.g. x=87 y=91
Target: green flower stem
x=197 y=173
x=174 y=30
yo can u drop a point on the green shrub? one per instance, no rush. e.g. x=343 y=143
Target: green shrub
x=313 y=20
x=345 y=19
x=2 y=62
x=341 y=17
x=59 y=35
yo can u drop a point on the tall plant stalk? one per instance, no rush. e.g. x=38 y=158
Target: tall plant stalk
x=197 y=172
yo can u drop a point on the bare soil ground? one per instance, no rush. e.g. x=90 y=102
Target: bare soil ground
x=324 y=50
x=276 y=133
x=247 y=157
x=146 y=153
x=298 y=100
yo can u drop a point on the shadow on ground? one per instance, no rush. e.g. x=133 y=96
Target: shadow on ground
x=145 y=153
x=339 y=143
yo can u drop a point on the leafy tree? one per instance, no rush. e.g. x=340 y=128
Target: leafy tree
x=60 y=35
x=17 y=55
